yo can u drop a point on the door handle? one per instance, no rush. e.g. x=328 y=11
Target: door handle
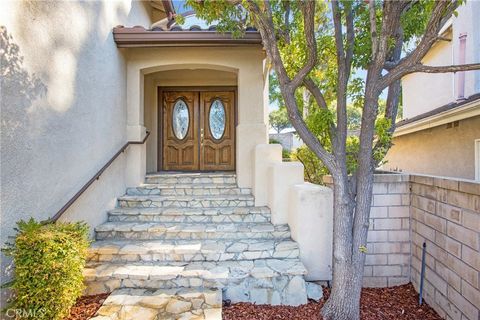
x=201 y=135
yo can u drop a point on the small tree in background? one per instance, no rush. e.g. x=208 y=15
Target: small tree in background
x=317 y=46
x=279 y=119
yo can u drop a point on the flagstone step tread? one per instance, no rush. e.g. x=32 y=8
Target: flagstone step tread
x=189 y=227
x=203 y=218
x=191 y=174
x=187 y=201
x=186 y=197
x=192 y=178
x=156 y=230
x=167 y=190
x=220 y=272
x=179 y=211
x=191 y=250
x=189 y=186
x=147 y=304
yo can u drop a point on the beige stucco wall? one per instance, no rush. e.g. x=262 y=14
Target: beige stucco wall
x=437 y=151
x=240 y=66
x=423 y=92
x=63 y=107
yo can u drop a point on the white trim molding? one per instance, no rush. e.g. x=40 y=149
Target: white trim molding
x=466 y=111
x=477 y=159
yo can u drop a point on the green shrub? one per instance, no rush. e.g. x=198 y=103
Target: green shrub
x=274 y=141
x=313 y=167
x=49 y=261
x=286 y=154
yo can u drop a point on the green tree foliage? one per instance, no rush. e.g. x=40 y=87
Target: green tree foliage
x=324 y=48
x=49 y=261
x=279 y=119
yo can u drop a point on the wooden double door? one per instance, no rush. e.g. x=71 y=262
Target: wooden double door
x=198 y=130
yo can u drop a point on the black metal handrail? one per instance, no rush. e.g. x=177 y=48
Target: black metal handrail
x=94 y=178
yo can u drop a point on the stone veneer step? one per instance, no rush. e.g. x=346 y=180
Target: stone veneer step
x=188 y=189
x=186 y=201
x=191 y=250
x=272 y=281
x=186 y=231
x=191 y=215
x=191 y=178
x=144 y=304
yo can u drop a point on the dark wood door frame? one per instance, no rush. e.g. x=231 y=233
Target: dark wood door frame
x=160 y=107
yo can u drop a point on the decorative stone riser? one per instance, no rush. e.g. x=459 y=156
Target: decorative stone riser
x=189 y=211
x=157 y=257
x=241 y=279
x=146 y=304
x=187 y=251
x=159 y=235
x=158 y=191
x=231 y=218
x=149 y=203
x=226 y=179
x=288 y=290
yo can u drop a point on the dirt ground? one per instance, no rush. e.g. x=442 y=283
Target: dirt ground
x=394 y=303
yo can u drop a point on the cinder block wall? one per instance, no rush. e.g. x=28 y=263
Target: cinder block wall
x=408 y=210
x=445 y=214
x=388 y=249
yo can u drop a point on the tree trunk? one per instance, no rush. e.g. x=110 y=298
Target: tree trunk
x=344 y=302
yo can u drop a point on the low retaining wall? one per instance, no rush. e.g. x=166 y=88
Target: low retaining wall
x=388 y=247
x=446 y=215
x=408 y=210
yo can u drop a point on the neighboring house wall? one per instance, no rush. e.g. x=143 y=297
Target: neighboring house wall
x=63 y=108
x=288 y=140
x=437 y=151
x=423 y=92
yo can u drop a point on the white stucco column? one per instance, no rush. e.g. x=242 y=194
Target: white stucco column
x=136 y=131
x=135 y=104
x=281 y=176
x=265 y=156
x=310 y=217
x=252 y=128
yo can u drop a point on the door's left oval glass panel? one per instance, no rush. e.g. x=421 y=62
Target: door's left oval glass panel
x=180 y=119
x=217 y=119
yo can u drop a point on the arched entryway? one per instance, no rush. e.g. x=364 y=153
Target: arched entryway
x=192 y=116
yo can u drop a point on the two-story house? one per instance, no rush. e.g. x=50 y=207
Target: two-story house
x=440 y=130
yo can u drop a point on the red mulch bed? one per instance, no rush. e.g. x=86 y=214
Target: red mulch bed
x=376 y=304
x=399 y=302
x=86 y=307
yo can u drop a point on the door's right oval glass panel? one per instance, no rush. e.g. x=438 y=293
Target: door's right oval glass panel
x=217 y=118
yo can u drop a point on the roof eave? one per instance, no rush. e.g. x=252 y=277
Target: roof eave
x=140 y=37
x=468 y=110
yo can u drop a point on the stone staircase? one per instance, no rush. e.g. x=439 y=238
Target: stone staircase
x=180 y=243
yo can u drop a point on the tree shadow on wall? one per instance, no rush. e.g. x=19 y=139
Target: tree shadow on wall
x=18 y=89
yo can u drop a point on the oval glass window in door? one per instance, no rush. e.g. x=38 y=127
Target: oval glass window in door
x=216 y=119
x=180 y=119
